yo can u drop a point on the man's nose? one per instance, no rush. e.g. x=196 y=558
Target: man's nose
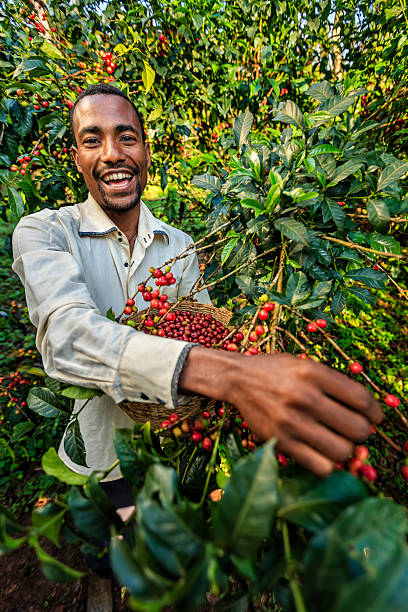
x=112 y=151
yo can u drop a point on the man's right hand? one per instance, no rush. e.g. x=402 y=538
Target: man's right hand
x=314 y=412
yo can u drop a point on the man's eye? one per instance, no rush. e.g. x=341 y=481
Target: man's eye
x=128 y=138
x=91 y=141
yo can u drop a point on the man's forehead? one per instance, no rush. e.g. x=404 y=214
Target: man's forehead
x=105 y=109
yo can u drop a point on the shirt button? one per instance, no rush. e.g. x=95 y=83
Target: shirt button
x=120 y=239
x=119 y=234
x=126 y=264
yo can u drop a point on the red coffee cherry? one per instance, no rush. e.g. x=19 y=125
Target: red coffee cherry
x=311 y=327
x=321 y=323
x=263 y=315
x=269 y=306
x=259 y=330
x=361 y=452
x=392 y=401
x=356 y=367
x=130 y=302
x=207 y=444
x=368 y=472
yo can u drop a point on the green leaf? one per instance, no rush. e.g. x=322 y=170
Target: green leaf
x=310 y=165
x=161 y=480
x=48 y=521
x=331 y=210
x=291 y=113
x=110 y=314
x=148 y=76
x=322 y=149
x=296 y=288
x=235 y=603
x=392 y=173
x=74 y=443
x=87 y=516
x=16 y=202
x=207 y=181
x=343 y=171
x=21 y=429
x=338 y=302
x=101 y=501
x=320 y=91
x=243 y=517
x=378 y=213
x=51 y=50
x=29 y=65
x=54 y=466
x=378 y=591
x=45 y=402
x=128 y=571
x=292 y=229
x=337 y=105
x=386 y=244
x=254 y=205
x=314 y=503
x=369 y=277
x=82 y=393
x=155 y=113
x=242 y=127
x=362 y=540
x=133 y=464
x=362 y=294
x=53 y=569
x=227 y=250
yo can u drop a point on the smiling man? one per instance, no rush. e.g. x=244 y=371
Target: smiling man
x=78 y=261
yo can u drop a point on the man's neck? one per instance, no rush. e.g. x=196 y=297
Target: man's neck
x=127 y=221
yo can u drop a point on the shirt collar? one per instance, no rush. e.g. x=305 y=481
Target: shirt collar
x=95 y=222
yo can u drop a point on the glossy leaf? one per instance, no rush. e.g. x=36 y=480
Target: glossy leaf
x=54 y=466
x=320 y=91
x=148 y=76
x=45 y=403
x=344 y=171
x=291 y=113
x=80 y=393
x=378 y=213
x=21 y=429
x=292 y=229
x=48 y=521
x=243 y=517
x=127 y=570
x=386 y=244
x=368 y=276
x=207 y=181
x=242 y=127
x=53 y=569
x=88 y=517
x=51 y=50
x=74 y=444
x=338 y=302
x=392 y=173
x=16 y=202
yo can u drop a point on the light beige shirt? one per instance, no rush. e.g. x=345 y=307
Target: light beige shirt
x=75 y=264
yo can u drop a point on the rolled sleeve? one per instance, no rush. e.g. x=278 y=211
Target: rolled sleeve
x=78 y=344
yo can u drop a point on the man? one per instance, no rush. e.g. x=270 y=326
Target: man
x=78 y=261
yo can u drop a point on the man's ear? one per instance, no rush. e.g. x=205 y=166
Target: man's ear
x=148 y=155
x=75 y=155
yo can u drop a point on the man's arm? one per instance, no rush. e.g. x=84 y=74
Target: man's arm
x=313 y=411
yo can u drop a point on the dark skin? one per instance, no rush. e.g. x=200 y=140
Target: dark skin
x=315 y=413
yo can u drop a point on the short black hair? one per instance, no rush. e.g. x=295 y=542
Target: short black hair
x=102 y=88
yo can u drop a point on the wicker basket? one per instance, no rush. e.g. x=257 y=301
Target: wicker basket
x=141 y=412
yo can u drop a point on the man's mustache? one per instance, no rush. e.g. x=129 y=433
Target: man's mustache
x=98 y=173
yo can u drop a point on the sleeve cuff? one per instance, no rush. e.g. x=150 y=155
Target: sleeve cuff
x=150 y=368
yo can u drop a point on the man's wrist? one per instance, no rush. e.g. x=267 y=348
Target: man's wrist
x=211 y=373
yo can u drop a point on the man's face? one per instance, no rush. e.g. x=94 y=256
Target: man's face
x=110 y=153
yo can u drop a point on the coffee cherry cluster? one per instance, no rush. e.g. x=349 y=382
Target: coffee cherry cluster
x=359 y=465
x=203 y=430
x=193 y=327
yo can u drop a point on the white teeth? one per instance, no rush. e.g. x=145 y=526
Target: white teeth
x=118 y=176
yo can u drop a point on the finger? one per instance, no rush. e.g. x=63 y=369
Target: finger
x=316 y=435
x=306 y=456
x=350 y=424
x=349 y=393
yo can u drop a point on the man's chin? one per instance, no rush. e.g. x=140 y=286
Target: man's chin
x=122 y=202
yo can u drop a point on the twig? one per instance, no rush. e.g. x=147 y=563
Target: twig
x=278 y=308
x=351 y=245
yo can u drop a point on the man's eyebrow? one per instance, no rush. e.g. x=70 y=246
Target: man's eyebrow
x=127 y=128
x=91 y=129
